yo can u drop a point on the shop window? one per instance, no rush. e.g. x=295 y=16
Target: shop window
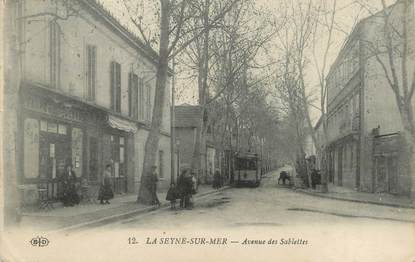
x=43 y=126
x=77 y=137
x=31 y=148
x=116 y=169
x=91 y=71
x=122 y=149
x=93 y=158
x=115 y=86
x=118 y=158
x=122 y=153
x=52 y=157
x=62 y=130
x=52 y=127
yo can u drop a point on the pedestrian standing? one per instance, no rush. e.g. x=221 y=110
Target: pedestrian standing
x=194 y=183
x=172 y=196
x=181 y=187
x=216 y=180
x=190 y=189
x=70 y=196
x=105 y=190
x=154 y=180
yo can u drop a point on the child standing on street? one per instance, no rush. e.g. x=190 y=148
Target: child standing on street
x=172 y=196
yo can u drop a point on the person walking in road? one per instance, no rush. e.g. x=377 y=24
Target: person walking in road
x=105 y=191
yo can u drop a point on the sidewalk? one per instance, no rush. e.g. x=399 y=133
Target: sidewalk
x=341 y=193
x=85 y=215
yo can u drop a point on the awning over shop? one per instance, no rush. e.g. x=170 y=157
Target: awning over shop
x=121 y=124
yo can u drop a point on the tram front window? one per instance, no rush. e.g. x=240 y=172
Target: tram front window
x=246 y=164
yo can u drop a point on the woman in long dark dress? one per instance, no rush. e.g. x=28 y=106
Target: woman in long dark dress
x=70 y=196
x=105 y=191
x=172 y=196
x=182 y=188
x=185 y=188
x=216 y=180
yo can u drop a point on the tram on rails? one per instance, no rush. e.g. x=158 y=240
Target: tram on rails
x=247 y=170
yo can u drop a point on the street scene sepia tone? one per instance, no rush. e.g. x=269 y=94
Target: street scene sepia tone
x=207 y=130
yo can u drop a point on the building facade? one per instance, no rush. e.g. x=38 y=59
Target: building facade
x=187 y=121
x=87 y=88
x=364 y=126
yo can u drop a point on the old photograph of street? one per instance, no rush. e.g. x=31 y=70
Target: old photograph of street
x=246 y=130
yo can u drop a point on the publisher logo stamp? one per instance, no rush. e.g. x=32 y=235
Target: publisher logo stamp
x=39 y=242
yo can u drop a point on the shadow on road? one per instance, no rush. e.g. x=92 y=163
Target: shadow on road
x=213 y=203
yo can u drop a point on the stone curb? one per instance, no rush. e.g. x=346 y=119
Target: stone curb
x=353 y=200
x=126 y=215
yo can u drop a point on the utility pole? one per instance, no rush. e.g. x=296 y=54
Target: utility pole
x=172 y=131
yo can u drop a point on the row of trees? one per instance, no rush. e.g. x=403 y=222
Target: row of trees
x=216 y=43
x=222 y=61
x=220 y=44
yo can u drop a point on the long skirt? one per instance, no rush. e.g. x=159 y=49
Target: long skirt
x=105 y=192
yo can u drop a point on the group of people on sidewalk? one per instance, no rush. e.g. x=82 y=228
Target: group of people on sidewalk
x=71 y=185
x=184 y=190
x=186 y=187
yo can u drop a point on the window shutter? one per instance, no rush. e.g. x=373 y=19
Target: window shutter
x=118 y=109
x=91 y=72
x=112 y=89
x=130 y=95
x=54 y=54
x=141 y=97
x=135 y=96
x=94 y=70
x=148 y=102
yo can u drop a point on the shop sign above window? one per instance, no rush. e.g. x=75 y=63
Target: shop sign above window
x=59 y=108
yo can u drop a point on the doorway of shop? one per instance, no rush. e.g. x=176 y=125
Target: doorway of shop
x=55 y=154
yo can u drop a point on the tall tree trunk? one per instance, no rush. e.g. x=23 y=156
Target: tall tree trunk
x=9 y=116
x=409 y=145
x=145 y=195
x=324 y=168
x=198 y=163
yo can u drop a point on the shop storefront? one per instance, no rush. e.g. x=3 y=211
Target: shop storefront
x=343 y=157
x=58 y=131
x=118 y=147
